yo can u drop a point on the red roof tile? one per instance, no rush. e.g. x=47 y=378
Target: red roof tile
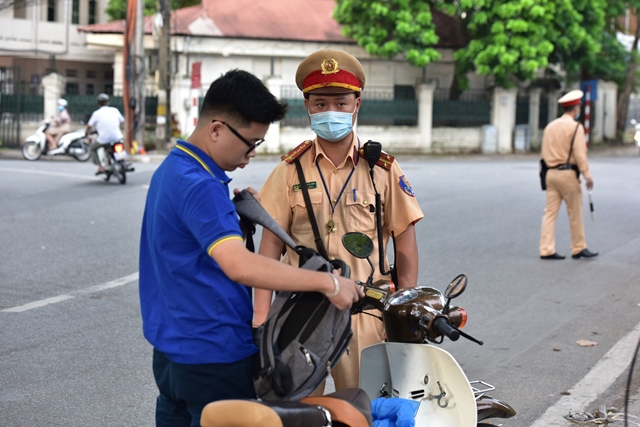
x=307 y=20
x=299 y=20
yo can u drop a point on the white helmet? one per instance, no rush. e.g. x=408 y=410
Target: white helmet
x=62 y=102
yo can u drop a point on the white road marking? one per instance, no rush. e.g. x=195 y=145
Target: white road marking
x=62 y=174
x=37 y=304
x=601 y=376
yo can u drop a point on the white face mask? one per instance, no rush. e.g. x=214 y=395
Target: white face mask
x=332 y=125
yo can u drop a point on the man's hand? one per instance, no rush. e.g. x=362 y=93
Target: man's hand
x=254 y=193
x=349 y=294
x=589 y=183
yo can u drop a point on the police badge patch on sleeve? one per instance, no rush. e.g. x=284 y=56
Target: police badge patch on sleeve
x=406 y=187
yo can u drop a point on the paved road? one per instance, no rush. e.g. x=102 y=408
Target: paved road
x=70 y=242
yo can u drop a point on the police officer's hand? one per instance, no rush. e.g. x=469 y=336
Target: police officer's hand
x=251 y=190
x=589 y=183
x=349 y=293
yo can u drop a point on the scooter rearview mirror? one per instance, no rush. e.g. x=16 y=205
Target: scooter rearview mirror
x=455 y=289
x=360 y=246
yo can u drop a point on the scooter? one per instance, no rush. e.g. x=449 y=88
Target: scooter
x=74 y=144
x=403 y=367
x=408 y=368
x=116 y=162
x=636 y=135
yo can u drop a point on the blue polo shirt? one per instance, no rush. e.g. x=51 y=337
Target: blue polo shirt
x=191 y=310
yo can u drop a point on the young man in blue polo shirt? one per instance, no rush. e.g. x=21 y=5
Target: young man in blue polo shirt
x=194 y=268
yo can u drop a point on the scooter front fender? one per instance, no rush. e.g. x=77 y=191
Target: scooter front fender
x=33 y=138
x=425 y=374
x=490 y=407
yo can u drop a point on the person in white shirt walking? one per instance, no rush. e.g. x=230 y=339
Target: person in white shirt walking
x=106 y=120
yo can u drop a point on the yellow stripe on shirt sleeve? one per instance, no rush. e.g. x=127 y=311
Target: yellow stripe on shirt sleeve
x=221 y=240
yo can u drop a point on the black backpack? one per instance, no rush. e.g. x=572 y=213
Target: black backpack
x=304 y=335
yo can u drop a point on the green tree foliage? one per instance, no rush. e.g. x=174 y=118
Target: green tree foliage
x=117 y=9
x=512 y=40
x=388 y=27
x=509 y=39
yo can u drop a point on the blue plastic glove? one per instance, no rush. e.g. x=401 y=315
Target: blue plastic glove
x=393 y=412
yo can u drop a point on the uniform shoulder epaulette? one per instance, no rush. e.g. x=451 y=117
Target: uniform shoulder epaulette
x=385 y=161
x=297 y=152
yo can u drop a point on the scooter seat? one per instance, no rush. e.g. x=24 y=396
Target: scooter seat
x=245 y=413
x=350 y=407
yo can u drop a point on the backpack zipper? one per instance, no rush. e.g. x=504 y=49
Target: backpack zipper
x=307 y=356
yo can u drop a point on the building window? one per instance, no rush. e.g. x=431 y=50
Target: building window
x=71 y=73
x=91 y=74
x=72 y=89
x=20 y=9
x=92 y=12
x=75 y=12
x=90 y=89
x=108 y=75
x=108 y=89
x=51 y=10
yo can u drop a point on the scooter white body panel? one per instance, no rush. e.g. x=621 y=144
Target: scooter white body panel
x=413 y=371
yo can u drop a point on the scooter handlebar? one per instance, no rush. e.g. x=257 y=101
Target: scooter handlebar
x=442 y=326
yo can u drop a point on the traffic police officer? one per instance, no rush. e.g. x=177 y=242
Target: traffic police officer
x=565 y=151
x=341 y=193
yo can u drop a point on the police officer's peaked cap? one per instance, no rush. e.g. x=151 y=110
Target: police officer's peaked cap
x=330 y=68
x=571 y=98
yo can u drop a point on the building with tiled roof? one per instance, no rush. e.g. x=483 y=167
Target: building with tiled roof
x=268 y=38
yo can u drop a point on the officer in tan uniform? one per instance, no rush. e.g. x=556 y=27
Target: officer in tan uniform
x=341 y=193
x=562 y=183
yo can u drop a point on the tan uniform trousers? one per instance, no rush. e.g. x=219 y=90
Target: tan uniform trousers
x=562 y=185
x=367 y=330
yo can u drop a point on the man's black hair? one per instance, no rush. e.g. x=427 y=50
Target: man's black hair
x=242 y=96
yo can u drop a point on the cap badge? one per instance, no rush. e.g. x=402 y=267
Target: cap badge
x=329 y=66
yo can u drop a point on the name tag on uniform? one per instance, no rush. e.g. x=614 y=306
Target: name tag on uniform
x=310 y=186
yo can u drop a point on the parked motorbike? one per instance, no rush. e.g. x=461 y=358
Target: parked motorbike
x=636 y=136
x=74 y=144
x=117 y=164
x=406 y=367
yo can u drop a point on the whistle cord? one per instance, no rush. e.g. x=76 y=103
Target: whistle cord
x=326 y=189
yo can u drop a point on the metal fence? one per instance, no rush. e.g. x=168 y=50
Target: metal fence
x=18 y=103
x=472 y=108
x=522 y=110
x=82 y=106
x=543 y=113
x=380 y=107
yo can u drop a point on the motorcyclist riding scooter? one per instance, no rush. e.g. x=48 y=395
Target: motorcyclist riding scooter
x=108 y=151
x=106 y=120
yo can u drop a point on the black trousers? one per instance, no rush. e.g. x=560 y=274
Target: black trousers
x=186 y=389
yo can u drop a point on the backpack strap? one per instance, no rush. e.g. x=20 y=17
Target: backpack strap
x=312 y=218
x=572 y=140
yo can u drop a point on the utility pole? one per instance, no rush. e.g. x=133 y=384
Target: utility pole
x=141 y=73
x=163 y=121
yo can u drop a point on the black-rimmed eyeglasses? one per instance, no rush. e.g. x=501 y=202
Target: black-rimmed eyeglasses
x=252 y=146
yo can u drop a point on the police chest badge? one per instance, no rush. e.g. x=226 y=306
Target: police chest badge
x=310 y=186
x=406 y=187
